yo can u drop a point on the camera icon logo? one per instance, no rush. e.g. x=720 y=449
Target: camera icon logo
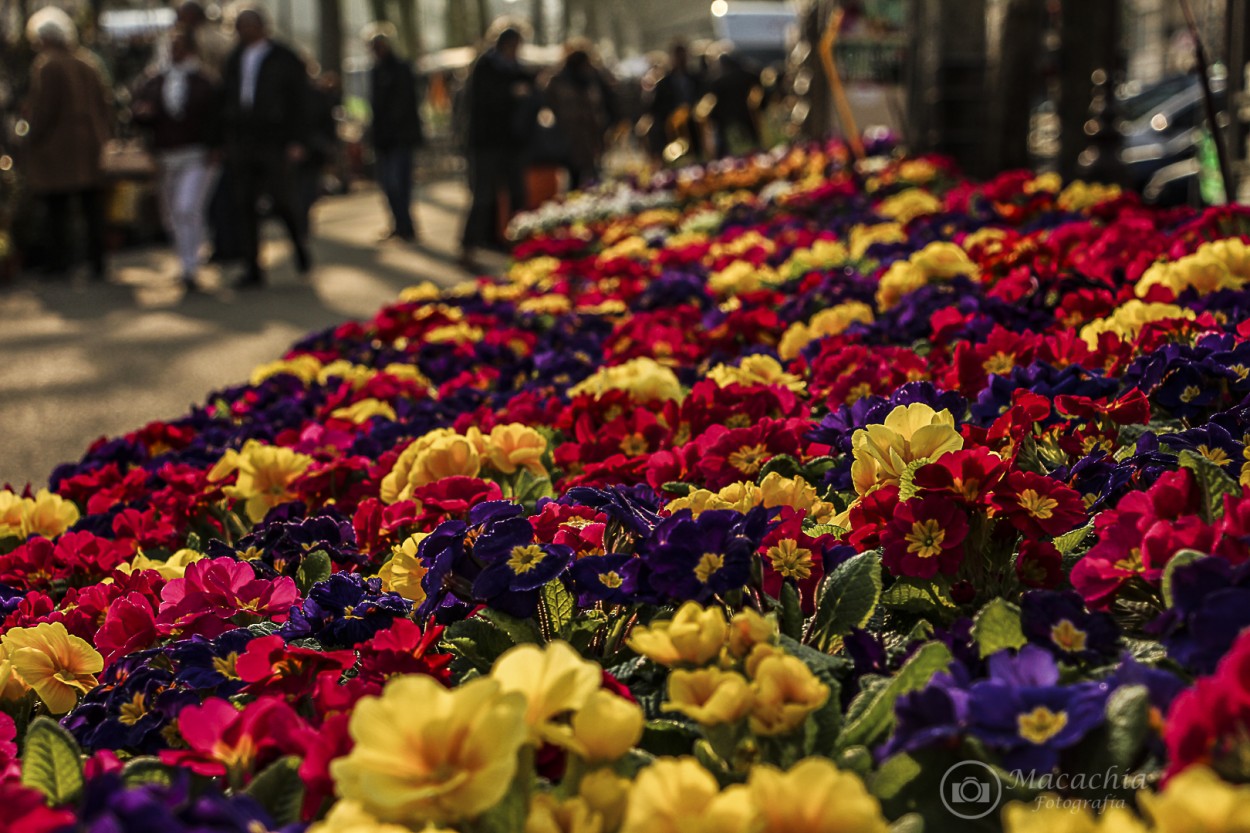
x=971 y=790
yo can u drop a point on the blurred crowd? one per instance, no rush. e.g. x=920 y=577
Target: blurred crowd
x=230 y=126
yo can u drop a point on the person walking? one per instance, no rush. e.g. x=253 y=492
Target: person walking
x=738 y=92
x=672 y=107
x=212 y=45
x=179 y=107
x=70 y=114
x=266 y=94
x=396 y=130
x=582 y=103
x=500 y=123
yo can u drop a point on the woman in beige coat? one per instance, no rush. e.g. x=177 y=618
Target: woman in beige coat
x=70 y=116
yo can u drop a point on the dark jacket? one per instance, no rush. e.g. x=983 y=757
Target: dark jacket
x=199 y=122
x=393 y=90
x=71 y=117
x=279 y=112
x=501 y=96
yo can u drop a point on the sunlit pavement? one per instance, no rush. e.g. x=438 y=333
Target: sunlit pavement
x=82 y=359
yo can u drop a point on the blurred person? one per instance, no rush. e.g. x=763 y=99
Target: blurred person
x=265 y=117
x=212 y=45
x=396 y=130
x=180 y=108
x=672 y=104
x=584 y=108
x=500 y=124
x=70 y=116
x=738 y=92
x=325 y=97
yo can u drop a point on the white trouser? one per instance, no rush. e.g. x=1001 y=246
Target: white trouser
x=186 y=183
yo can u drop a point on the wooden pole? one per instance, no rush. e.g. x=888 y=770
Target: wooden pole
x=1208 y=100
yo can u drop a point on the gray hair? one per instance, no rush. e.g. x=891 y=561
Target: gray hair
x=378 y=29
x=51 y=26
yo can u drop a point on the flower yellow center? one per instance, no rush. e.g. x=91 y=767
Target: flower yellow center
x=1241 y=370
x=709 y=564
x=1133 y=563
x=925 y=538
x=1041 y=724
x=858 y=392
x=1216 y=455
x=611 y=579
x=1190 y=393
x=225 y=665
x=791 y=560
x=1000 y=363
x=526 y=558
x=1068 y=636
x=1037 y=505
x=749 y=459
x=132 y=711
x=738 y=421
x=634 y=444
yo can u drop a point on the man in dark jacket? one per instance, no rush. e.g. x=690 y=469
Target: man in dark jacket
x=501 y=123
x=673 y=103
x=266 y=98
x=396 y=129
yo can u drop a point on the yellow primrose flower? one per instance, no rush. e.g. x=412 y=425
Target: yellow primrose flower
x=900 y=280
x=937 y=261
x=305 y=368
x=265 y=475
x=551 y=304
x=606 y=727
x=607 y=794
x=459 y=331
x=907 y=205
x=350 y=817
x=864 y=237
x=909 y=433
x=171 y=568
x=11 y=504
x=555 y=681
x=12 y=687
x=786 y=692
x=1198 y=800
x=747 y=629
x=361 y=412
x=1080 y=195
x=48 y=514
x=56 y=664
x=437 y=454
x=756 y=370
x=742 y=276
x=1047 y=815
x=534 y=271
x=709 y=696
x=1128 y=319
x=516 y=446
x=355 y=375
x=424 y=291
x=741 y=497
x=814 y=796
x=918 y=171
x=823 y=254
x=795 y=492
x=693 y=636
x=645 y=379
x=676 y=795
x=548 y=814
x=425 y=753
x=403 y=573
x=631 y=247
x=1049 y=182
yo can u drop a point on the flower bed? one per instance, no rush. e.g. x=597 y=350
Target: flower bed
x=783 y=495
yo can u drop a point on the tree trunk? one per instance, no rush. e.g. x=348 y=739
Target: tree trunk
x=380 y=11
x=458 y=33
x=1013 y=82
x=1089 y=35
x=483 y=16
x=330 y=14
x=538 y=21
x=410 y=27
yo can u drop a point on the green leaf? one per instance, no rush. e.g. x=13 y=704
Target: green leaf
x=668 y=737
x=895 y=773
x=997 y=628
x=790 y=620
x=783 y=464
x=559 y=606
x=917 y=597
x=146 y=770
x=1128 y=725
x=907 y=478
x=315 y=567
x=856 y=759
x=530 y=487
x=847 y=598
x=477 y=641
x=518 y=630
x=1213 y=483
x=1180 y=559
x=816 y=530
x=52 y=762
x=678 y=488
x=1068 y=542
x=875 y=717
x=280 y=790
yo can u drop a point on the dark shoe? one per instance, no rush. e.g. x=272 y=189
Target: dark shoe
x=303 y=260
x=253 y=279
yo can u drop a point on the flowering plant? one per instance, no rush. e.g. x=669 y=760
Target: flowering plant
x=760 y=496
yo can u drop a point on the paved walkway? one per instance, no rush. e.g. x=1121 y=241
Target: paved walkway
x=80 y=360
